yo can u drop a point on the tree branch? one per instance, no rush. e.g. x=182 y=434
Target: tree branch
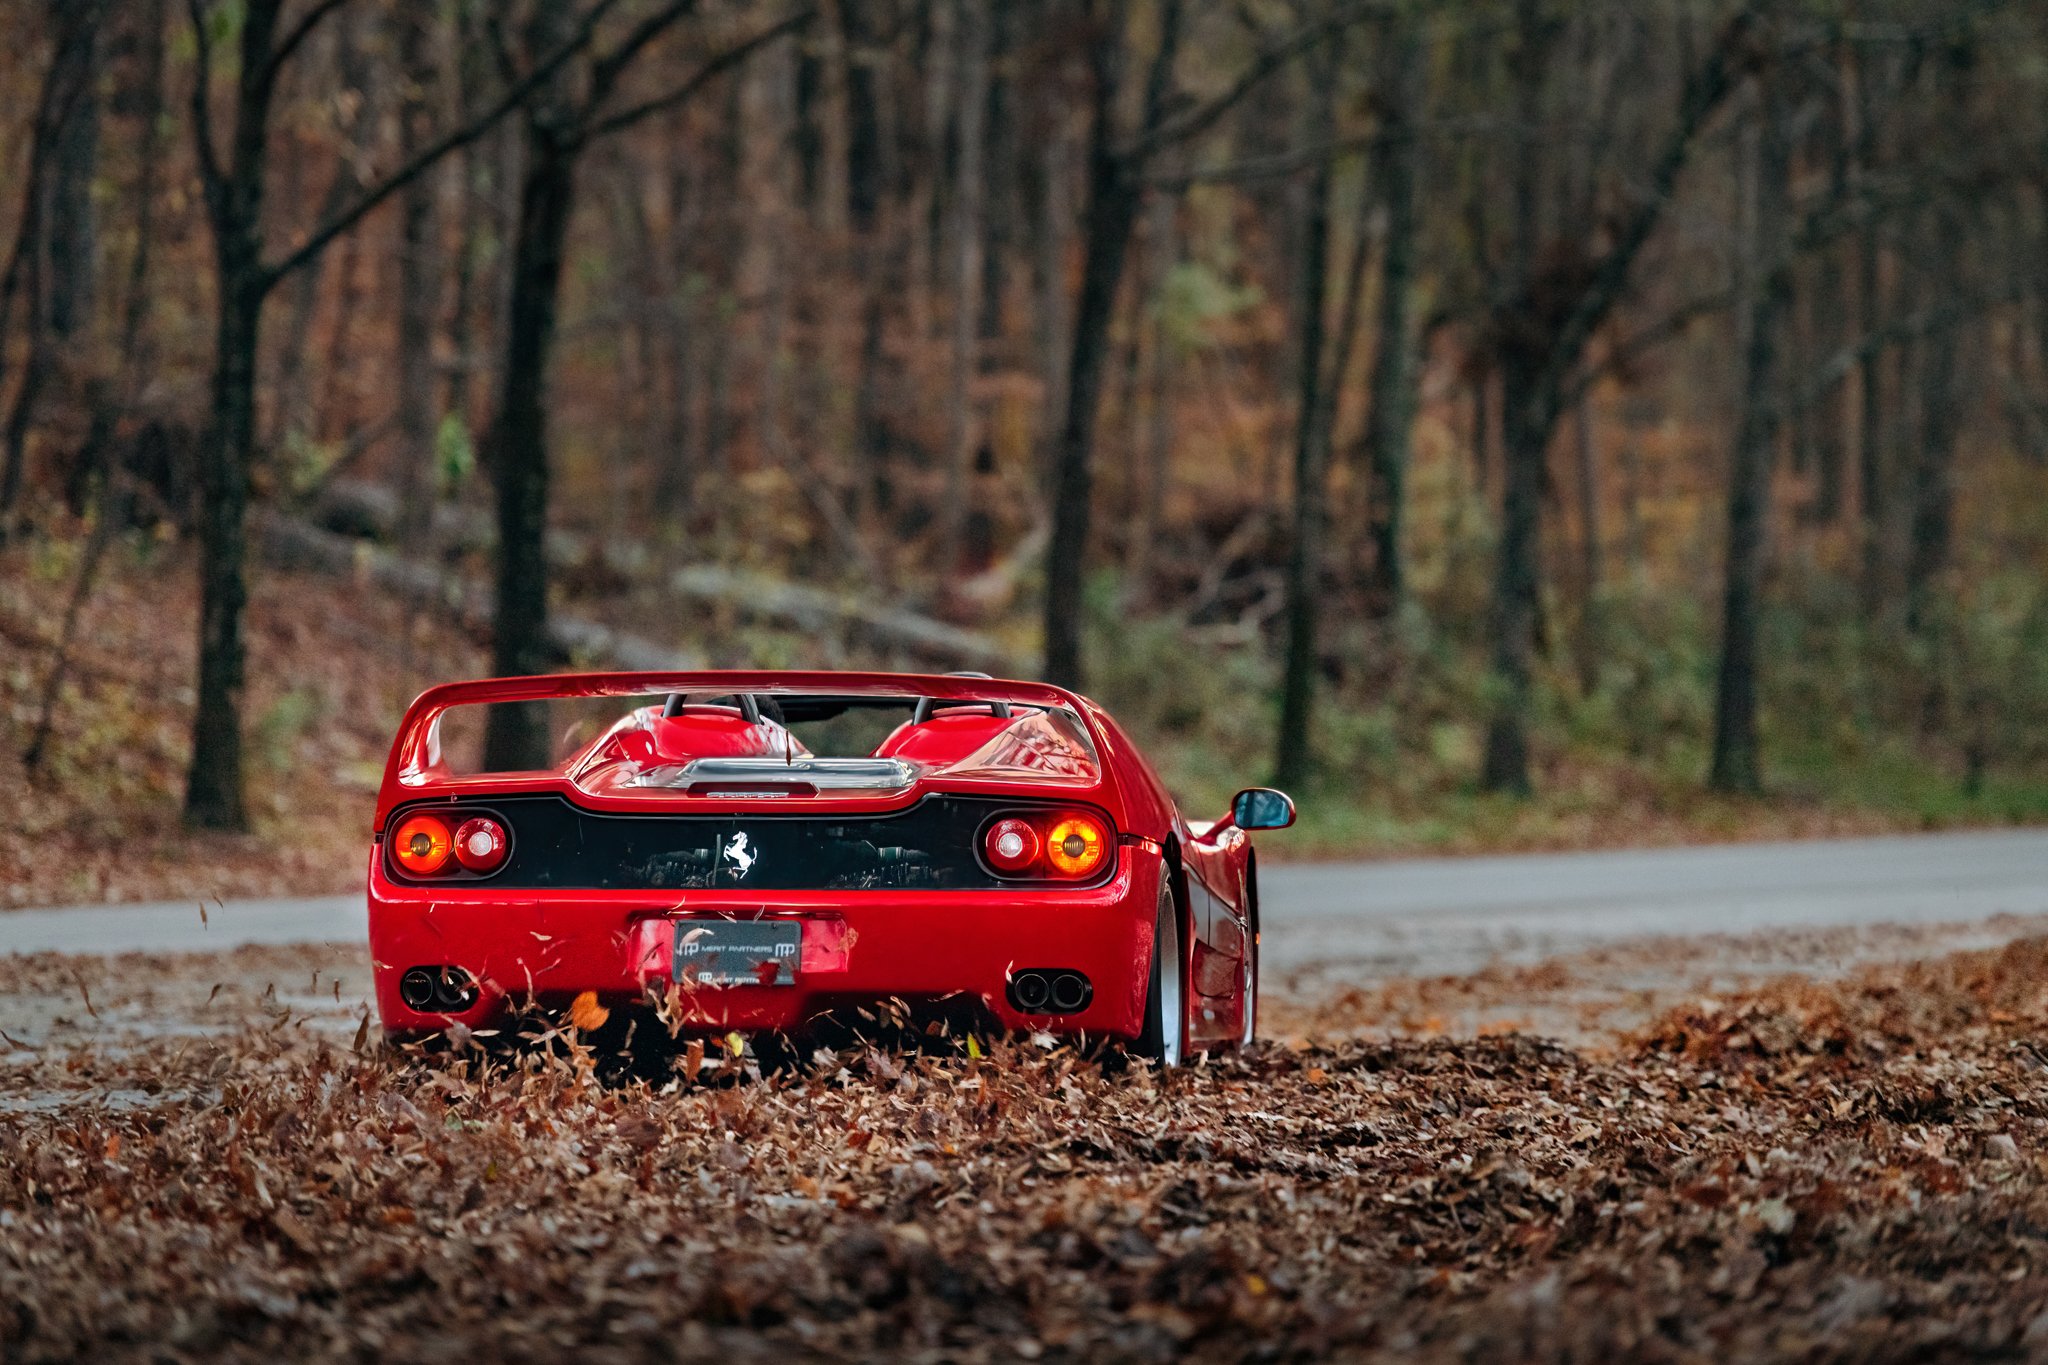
x=210 y=178
x=282 y=53
x=461 y=137
x=605 y=70
x=1277 y=166
x=1200 y=118
x=1913 y=327
x=1631 y=349
x=1704 y=94
x=698 y=79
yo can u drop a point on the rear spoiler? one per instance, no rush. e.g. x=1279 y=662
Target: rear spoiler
x=410 y=750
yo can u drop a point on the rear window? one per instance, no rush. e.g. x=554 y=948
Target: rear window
x=697 y=741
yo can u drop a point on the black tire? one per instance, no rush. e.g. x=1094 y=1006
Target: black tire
x=1164 y=1039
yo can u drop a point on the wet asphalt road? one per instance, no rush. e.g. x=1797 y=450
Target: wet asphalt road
x=1374 y=919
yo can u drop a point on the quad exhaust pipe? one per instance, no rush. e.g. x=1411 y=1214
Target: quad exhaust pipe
x=1070 y=992
x=1043 y=990
x=438 y=990
x=1029 y=991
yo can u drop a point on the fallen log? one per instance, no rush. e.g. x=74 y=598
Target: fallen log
x=371 y=509
x=295 y=544
x=816 y=609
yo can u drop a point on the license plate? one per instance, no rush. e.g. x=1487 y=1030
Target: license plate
x=738 y=952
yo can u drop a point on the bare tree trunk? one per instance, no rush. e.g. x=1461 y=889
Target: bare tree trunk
x=1592 y=552
x=967 y=237
x=1830 y=419
x=234 y=199
x=865 y=191
x=115 y=488
x=1872 y=473
x=1479 y=386
x=73 y=228
x=516 y=737
x=927 y=210
x=1050 y=239
x=1827 y=319
x=1528 y=413
x=293 y=407
x=338 y=406
x=39 y=263
x=1529 y=404
x=35 y=371
x=679 y=301
x=807 y=136
x=1395 y=368
x=470 y=308
x=1001 y=211
x=1156 y=439
x=1633 y=537
x=52 y=104
x=1111 y=211
x=1311 y=447
x=1543 y=337
x=419 y=279
x=213 y=783
x=1737 y=765
x=1933 y=509
x=719 y=421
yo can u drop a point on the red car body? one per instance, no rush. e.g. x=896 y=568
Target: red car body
x=625 y=854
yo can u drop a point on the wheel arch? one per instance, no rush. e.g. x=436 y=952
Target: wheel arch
x=1251 y=891
x=1176 y=874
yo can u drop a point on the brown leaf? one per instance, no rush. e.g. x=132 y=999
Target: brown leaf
x=296 y=1232
x=586 y=1014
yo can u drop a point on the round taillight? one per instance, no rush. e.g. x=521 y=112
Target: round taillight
x=1012 y=845
x=481 y=844
x=1076 y=846
x=422 y=845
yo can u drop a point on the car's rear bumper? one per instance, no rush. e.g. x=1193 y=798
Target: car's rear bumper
x=549 y=946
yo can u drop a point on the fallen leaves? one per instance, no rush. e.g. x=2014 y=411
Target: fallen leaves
x=1821 y=1172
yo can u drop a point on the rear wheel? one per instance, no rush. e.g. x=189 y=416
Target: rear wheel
x=1165 y=1033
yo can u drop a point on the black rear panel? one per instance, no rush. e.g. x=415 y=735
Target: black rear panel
x=933 y=846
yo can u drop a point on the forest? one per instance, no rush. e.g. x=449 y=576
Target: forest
x=1547 y=418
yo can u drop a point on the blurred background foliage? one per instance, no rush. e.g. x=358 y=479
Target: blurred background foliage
x=850 y=293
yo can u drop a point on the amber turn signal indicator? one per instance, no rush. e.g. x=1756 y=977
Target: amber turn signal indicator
x=1076 y=846
x=422 y=845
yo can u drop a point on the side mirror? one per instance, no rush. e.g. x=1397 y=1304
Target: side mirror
x=1262 y=808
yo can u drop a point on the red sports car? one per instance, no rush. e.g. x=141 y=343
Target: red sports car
x=756 y=851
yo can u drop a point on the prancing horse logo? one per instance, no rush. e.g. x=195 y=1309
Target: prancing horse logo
x=739 y=855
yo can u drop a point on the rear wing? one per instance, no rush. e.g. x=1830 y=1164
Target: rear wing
x=414 y=752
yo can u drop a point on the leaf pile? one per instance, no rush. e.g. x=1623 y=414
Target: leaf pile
x=1842 y=1172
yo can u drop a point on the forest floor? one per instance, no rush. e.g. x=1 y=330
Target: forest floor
x=333 y=662
x=204 y=1156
